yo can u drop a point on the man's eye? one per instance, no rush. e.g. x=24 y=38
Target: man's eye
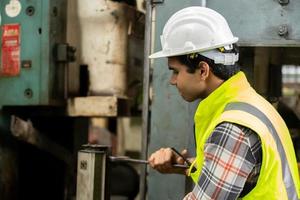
x=175 y=72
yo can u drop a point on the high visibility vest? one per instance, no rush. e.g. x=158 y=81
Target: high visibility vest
x=236 y=101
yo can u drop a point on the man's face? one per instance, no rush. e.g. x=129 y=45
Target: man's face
x=189 y=85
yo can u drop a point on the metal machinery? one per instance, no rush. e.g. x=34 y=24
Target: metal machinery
x=43 y=98
x=32 y=73
x=33 y=58
x=269 y=36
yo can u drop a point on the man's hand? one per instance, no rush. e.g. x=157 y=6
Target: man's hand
x=163 y=160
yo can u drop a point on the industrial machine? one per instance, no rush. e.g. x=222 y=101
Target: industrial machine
x=33 y=60
x=52 y=61
x=34 y=53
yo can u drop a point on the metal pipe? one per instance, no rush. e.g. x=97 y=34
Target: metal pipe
x=146 y=85
x=203 y=3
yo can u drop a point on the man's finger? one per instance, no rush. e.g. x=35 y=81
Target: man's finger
x=184 y=152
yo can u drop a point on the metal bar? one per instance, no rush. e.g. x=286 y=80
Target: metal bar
x=146 y=83
x=127 y=159
x=180 y=155
x=185 y=160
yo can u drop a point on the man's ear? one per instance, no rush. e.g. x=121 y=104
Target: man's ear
x=203 y=70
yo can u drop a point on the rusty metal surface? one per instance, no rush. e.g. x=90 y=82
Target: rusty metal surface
x=93 y=106
x=102 y=33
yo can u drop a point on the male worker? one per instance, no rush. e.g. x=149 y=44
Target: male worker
x=243 y=147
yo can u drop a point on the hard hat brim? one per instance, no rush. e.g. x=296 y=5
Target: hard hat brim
x=162 y=54
x=159 y=54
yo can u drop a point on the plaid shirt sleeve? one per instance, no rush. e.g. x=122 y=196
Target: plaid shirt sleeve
x=229 y=161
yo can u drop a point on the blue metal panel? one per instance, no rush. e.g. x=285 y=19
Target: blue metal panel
x=257 y=22
x=39 y=33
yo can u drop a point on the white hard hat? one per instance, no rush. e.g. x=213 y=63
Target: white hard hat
x=196 y=29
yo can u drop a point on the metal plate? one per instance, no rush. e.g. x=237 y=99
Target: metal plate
x=257 y=22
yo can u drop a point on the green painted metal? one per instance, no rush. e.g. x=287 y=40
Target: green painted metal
x=39 y=34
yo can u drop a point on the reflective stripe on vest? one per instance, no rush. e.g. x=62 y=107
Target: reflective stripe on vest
x=286 y=172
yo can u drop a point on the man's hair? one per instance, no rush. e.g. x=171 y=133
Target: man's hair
x=223 y=72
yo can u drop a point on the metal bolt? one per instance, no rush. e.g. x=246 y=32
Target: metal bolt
x=30 y=11
x=28 y=93
x=284 y=2
x=283 y=30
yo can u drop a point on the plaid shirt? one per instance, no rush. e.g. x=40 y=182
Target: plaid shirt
x=232 y=163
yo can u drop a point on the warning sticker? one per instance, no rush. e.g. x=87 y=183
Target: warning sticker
x=10 y=58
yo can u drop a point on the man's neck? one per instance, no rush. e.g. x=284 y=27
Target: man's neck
x=212 y=84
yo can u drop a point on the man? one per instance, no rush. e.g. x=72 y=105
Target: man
x=243 y=147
